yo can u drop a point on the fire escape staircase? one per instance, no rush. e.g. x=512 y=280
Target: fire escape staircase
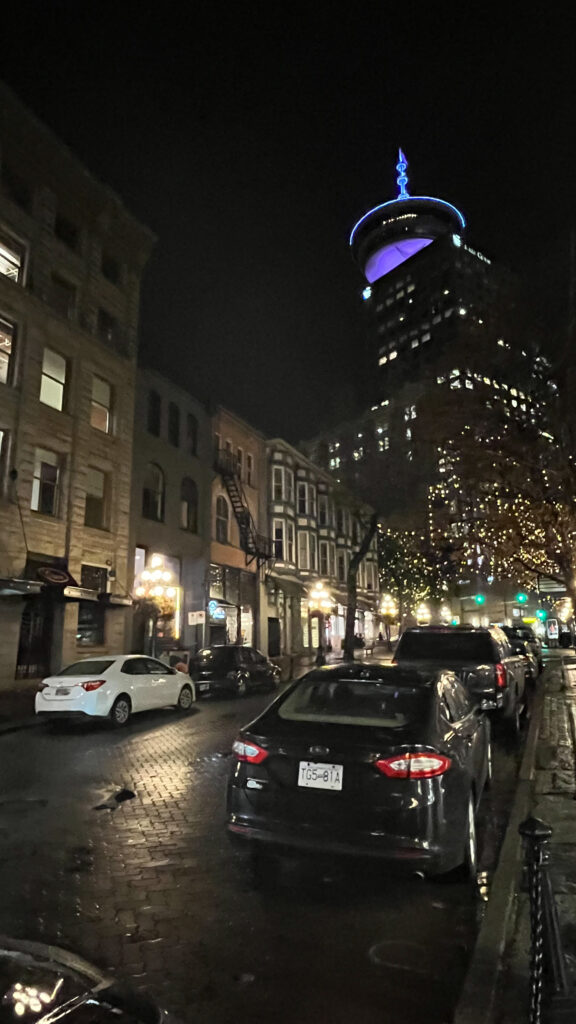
x=256 y=546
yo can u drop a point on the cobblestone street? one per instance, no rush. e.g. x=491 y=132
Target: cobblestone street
x=148 y=886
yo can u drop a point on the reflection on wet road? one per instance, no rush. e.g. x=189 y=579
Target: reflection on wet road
x=112 y=843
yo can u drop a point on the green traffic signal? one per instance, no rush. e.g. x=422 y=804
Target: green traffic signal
x=521 y=597
x=480 y=598
x=541 y=614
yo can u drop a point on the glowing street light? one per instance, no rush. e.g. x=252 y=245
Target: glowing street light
x=423 y=614
x=388 y=606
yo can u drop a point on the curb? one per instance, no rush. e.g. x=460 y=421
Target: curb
x=478 y=997
x=19 y=723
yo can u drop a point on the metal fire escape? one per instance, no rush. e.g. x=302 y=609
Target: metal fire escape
x=256 y=546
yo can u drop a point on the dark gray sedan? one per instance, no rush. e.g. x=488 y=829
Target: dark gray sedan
x=364 y=759
x=233 y=669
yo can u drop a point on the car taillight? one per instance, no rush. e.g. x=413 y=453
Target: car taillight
x=92 y=684
x=501 y=679
x=413 y=765
x=250 y=752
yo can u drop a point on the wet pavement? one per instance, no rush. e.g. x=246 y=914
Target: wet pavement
x=112 y=844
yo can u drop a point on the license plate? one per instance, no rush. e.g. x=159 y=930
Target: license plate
x=320 y=776
x=203 y=686
x=61 y=691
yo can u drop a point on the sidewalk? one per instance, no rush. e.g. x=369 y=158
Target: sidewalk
x=17 y=709
x=496 y=990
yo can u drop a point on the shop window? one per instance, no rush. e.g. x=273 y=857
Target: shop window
x=53 y=382
x=189 y=505
x=91 y=623
x=94 y=577
x=154 y=415
x=222 y=519
x=95 y=512
x=7 y=351
x=11 y=259
x=192 y=433
x=101 y=404
x=153 y=493
x=46 y=482
x=216 y=581
x=174 y=424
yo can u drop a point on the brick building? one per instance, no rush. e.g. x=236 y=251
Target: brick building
x=71 y=260
x=171 y=515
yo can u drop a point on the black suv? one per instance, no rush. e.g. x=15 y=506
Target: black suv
x=232 y=669
x=483 y=659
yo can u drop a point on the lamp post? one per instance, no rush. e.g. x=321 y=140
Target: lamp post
x=155 y=586
x=389 y=613
x=423 y=614
x=320 y=604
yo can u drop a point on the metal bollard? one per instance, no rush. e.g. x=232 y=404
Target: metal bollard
x=546 y=953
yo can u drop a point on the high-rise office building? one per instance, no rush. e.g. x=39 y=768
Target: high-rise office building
x=440 y=314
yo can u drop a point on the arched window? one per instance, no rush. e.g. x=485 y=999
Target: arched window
x=222 y=520
x=153 y=493
x=189 y=505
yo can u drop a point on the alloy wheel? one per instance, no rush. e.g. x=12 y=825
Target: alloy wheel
x=120 y=711
x=471 y=840
x=185 y=698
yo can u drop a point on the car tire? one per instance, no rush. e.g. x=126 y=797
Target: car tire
x=120 y=711
x=185 y=698
x=469 y=866
x=490 y=772
x=513 y=721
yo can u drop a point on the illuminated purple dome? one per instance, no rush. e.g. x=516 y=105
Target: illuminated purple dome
x=395 y=231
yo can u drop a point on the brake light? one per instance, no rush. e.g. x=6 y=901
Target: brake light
x=413 y=765
x=250 y=752
x=501 y=678
x=92 y=684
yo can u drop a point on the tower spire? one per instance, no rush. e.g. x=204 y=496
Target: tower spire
x=402 y=179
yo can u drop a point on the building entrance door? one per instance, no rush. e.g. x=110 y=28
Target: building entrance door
x=35 y=644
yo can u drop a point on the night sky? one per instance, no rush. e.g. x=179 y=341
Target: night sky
x=251 y=136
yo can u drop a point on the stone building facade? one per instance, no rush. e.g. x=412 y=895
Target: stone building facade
x=171 y=516
x=71 y=261
x=315 y=527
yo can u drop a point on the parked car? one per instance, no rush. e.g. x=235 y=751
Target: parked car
x=113 y=687
x=364 y=759
x=523 y=634
x=482 y=657
x=233 y=669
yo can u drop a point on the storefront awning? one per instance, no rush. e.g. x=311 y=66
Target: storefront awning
x=10 y=587
x=80 y=594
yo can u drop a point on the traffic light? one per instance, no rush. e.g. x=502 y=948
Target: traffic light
x=521 y=597
x=541 y=614
x=480 y=598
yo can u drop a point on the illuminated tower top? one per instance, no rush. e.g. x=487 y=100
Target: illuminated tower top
x=394 y=231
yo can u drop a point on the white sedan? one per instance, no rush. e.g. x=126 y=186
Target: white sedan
x=113 y=687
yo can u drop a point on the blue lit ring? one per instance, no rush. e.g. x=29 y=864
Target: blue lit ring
x=394 y=202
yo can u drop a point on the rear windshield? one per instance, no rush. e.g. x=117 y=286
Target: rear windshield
x=355 y=702
x=446 y=647
x=85 y=668
x=216 y=657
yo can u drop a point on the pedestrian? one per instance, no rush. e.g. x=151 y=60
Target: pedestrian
x=320 y=656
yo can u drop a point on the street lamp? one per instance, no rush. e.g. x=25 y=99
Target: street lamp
x=157 y=587
x=320 y=604
x=389 y=613
x=423 y=614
